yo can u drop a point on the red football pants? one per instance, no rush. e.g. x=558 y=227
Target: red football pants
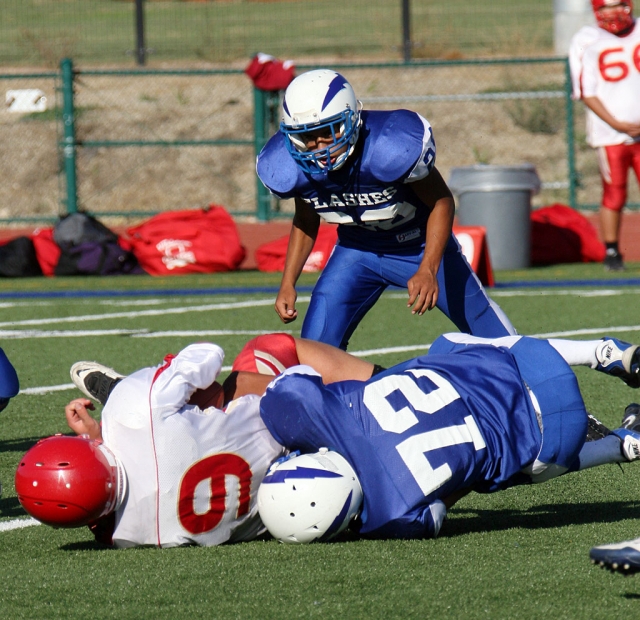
x=615 y=161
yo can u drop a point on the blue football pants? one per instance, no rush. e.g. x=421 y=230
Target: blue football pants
x=353 y=281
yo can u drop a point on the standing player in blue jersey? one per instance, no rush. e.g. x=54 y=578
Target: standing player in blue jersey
x=474 y=414
x=373 y=174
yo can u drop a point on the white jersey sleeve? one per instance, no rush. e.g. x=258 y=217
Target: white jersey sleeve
x=195 y=367
x=579 y=43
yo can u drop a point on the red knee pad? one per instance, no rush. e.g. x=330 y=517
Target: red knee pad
x=268 y=355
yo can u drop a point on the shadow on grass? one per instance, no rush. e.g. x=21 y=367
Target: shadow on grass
x=21 y=444
x=10 y=507
x=468 y=521
x=86 y=545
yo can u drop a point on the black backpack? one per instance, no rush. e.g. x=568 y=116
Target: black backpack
x=88 y=247
x=18 y=259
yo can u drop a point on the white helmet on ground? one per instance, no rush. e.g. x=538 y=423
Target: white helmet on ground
x=309 y=497
x=316 y=100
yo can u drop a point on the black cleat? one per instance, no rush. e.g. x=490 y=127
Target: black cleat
x=621 y=557
x=596 y=429
x=95 y=380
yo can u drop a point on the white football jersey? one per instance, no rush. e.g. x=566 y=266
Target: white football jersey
x=192 y=474
x=606 y=66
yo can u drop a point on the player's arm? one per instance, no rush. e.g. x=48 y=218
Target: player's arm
x=598 y=108
x=303 y=235
x=423 y=285
x=332 y=363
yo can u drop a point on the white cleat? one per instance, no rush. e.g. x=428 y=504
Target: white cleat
x=94 y=380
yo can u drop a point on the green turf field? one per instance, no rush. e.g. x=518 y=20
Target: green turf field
x=521 y=553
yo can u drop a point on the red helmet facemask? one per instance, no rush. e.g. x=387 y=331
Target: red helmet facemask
x=68 y=481
x=619 y=17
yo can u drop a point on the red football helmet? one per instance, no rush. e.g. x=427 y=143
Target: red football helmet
x=68 y=481
x=269 y=354
x=616 y=20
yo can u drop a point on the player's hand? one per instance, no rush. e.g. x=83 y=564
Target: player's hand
x=286 y=304
x=80 y=420
x=423 y=291
x=632 y=129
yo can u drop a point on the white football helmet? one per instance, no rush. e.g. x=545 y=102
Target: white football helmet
x=317 y=100
x=309 y=497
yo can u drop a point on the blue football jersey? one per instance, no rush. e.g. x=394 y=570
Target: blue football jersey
x=414 y=433
x=370 y=197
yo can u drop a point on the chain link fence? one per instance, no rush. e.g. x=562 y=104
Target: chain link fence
x=164 y=141
x=158 y=140
x=29 y=156
x=99 y=32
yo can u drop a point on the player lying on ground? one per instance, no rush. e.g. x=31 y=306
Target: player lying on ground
x=167 y=466
x=472 y=415
x=176 y=469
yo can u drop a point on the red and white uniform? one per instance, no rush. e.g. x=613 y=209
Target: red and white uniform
x=192 y=474
x=607 y=66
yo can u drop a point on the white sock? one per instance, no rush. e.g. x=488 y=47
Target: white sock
x=577 y=352
x=601 y=452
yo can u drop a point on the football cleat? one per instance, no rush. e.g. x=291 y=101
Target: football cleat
x=613 y=262
x=621 y=557
x=629 y=443
x=596 y=429
x=631 y=417
x=95 y=380
x=620 y=359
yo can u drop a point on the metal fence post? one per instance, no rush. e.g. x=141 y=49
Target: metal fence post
x=263 y=105
x=406 y=30
x=571 y=157
x=259 y=118
x=141 y=51
x=69 y=133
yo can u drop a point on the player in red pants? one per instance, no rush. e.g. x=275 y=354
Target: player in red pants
x=605 y=70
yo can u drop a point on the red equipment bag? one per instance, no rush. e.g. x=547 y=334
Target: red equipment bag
x=47 y=250
x=559 y=234
x=271 y=256
x=195 y=241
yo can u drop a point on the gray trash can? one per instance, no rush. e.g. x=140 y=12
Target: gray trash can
x=498 y=198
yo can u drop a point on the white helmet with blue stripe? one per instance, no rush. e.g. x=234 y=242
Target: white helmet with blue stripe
x=309 y=497
x=320 y=100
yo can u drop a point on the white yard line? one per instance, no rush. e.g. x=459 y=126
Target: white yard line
x=16 y=524
x=140 y=313
x=365 y=353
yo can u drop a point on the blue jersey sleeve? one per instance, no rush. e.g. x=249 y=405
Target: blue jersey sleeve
x=9 y=384
x=293 y=409
x=402 y=147
x=421 y=522
x=277 y=169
